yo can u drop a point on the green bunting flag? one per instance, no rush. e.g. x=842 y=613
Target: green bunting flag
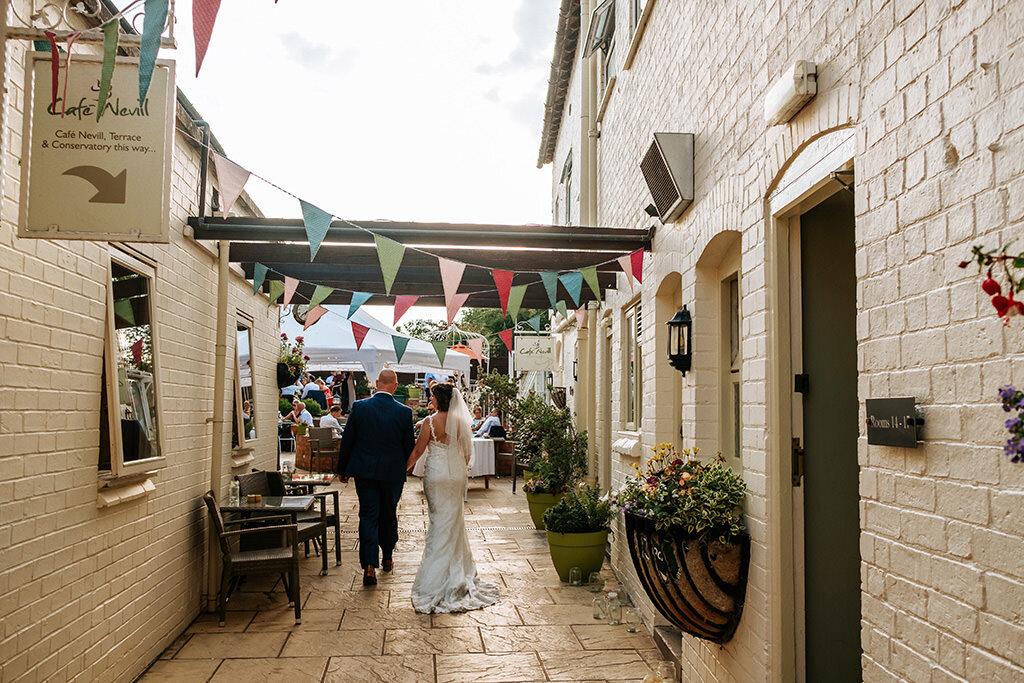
x=319 y=294
x=573 y=283
x=111 y=34
x=400 y=344
x=534 y=322
x=317 y=222
x=563 y=309
x=153 y=22
x=259 y=274
x=276 y=288
x=441 y=349
x=390 y=254
x=551 y=285
x=123 y=310
x=590 y=275
x=515 y=300
x=358 y=299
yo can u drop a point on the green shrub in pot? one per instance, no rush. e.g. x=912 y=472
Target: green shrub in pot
x=577 y=529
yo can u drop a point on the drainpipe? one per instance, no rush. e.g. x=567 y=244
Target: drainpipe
x=604 y=401
x=586 y=114
x=590 y=397
x=3 y=90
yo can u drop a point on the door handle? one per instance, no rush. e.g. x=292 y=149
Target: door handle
x=798 y=462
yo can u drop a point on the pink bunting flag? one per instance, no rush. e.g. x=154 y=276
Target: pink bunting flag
x=403 y=303
x=359 y=332
x=506 y=336
x=503 y=279
x=581 y=316
x=290 y=284
x=454 y=304
x=476 y=345
x=626 y=263
x=451 y=276
x=204 y=15
x=637 y=259
x=231 y=178
x=314 y=315
x=137 y=352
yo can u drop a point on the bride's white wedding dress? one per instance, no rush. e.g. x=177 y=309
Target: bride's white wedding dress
x=447 y=580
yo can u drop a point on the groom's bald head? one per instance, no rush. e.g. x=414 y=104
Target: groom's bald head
x=387 y=381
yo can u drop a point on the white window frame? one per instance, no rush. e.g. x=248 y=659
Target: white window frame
x=243 y=438
x=731 y=371
x=639 y=17
x=118 y=467
x=632 y=413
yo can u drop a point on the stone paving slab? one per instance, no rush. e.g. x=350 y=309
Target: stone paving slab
x=540 y=630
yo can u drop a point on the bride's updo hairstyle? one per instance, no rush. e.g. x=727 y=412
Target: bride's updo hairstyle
x=443 y=394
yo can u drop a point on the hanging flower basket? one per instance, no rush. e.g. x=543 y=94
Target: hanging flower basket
x=697 y=583
x=285 y=375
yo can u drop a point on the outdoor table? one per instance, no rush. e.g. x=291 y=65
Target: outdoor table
x=482 y=461
x=291 y=505
x=309 y=482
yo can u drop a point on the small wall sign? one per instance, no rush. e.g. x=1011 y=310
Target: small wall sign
x=533 y=353
x=893 y=421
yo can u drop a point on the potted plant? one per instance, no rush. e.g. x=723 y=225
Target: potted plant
x=577 y=529
x=291 y=361
x=532 y=420
x=562 y=460
x=362 y=388
x=685 y=534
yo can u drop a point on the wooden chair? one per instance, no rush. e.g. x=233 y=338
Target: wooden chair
x=282 y=558
x=331 y=518
x=323 y=450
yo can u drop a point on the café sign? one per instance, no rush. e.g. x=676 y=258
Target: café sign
x=106 y=180
x=533 y=353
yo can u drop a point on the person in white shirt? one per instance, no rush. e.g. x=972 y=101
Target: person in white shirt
x=332 y=420
x=311 y=385
x=491 y=421
x=300 y=414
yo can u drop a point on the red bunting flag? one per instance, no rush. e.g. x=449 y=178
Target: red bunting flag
x=457 y=301
x=503 y=279
x=204 y=15
x=506 y=336
x=137 y=352
x=403 y=302
x=54 y=68
x=290 y=284
x=359 y=332
x=314 y=315
x=476 y=345
x=637 y=259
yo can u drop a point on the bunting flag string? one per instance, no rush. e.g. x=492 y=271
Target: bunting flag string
x=70 y=40
x=390 y=254
x=153 y=23
x=534 y=322
x=581 y=316
x=590 y=276
x=111 y=36
x=313 y=315
x=290 y=284
x=476 y=345
x=453 y=306
x=506 y=337
x=637 y=260
x=123 y=310
x=137 y=352
x=562 y=308
x=259 y=275
x=54 y=68
x=358 y=299
x=503 y=280
x=317 y=222
x=276 y=289
x=204 y=16
x=403 y=302
x=400 y=344
x=515 y=300
x=359 y=333
x=319 y=294
x=550 y=281
x=573 y=283
x=441 y=349
x=451 y=277
x=626 y=263
x=231 y=179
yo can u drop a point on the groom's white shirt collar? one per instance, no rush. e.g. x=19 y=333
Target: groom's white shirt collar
x=386 y=393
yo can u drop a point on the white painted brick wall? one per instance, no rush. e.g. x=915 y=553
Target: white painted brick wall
x=934 y=92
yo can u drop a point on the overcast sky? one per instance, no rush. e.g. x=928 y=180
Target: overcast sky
x=407 y=110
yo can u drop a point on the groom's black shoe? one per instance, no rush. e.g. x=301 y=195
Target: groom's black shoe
x=369 y=577
x=388 y=565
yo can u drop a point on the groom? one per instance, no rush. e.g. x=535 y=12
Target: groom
x=375 y=446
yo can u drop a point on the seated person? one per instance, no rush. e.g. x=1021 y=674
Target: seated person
x=310 y=386
x=246 y=411
x=478 y=418
x=289 y=391
x=299 y=414
x=332 y=420
x=322 y=386
x=493 y=420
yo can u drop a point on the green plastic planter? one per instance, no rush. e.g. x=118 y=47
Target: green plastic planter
x=539 y=503
x=585 y=551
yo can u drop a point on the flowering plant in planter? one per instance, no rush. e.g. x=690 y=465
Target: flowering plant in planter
x=675 y=489
x=999 y=263
x=292 y=355
x=1013 y=402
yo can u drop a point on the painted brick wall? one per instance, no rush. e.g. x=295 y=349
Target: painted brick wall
x=96 y=594
x=933 y=92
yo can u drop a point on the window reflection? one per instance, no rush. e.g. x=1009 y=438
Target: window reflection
x=246 y=408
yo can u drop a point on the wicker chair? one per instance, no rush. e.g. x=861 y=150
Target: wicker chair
x=282 y=559
x=324 y=450
x=332 y=518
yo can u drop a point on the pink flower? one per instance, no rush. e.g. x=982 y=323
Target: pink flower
x=991 y=287
x=284 y=336
x=299 y=340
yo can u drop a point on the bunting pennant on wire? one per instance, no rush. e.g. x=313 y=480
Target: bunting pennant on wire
x=581 y=316
x=626 y=263
x=637 y=260
x=390 y=254
x=123 y=310
x=290 y=284
x=399 y=343
x=111 y=36
x=503 y=280
x=70 y=40
x=231 y=179
x=534 y=322
x=506 y=337
x=562 y=308
x=319 y=294
x=441 y=349
x=451 y=277
x=476 y=345
x=359 y=333
x=551 y=285
x=515 y=300
x=453 y=306
x=573 y=283
x=358 y=299
x=137 y=352
x=590 y=276
x=313 y=315
x=204 y=16
x=317 y=222
x=276 y=289
x=259 y=274
x=54 y=68
x=403 y=302
x=152 y=27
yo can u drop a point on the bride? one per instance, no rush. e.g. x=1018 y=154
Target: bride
x=447 y=580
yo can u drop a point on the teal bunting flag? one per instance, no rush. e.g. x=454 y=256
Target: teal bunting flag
x=534 y=322
x=152 y=28
x=441 y=349
x=111 y=34
x=590 y=275
x=563 y=309
x=319 y=294
x=573 y=283
x=551 y=285
x=358 y=299
x=259 y=274
x=400 y=344
x=317 y=222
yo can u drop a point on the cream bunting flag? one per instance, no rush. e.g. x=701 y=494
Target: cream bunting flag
x=476 y=345
x=451 y=276
x=314 y=315
x=231 y=178
x=455 y=304
x=290 y=285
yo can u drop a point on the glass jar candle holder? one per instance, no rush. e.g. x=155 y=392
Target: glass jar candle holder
x=600 y=607
x=594 y=582
x=576 y=576
x=631 y=618
x=613 y=609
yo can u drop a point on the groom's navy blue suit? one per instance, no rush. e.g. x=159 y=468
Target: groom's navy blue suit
x=375 y=446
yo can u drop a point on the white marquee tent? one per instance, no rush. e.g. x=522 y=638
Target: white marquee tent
x=330 y=346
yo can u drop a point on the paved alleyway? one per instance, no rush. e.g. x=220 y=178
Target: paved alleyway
x=541 y=630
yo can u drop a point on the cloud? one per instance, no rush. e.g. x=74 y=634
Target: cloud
x=318 y=56
x=534 y=26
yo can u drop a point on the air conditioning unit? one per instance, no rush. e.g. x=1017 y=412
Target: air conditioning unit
x=668 y=169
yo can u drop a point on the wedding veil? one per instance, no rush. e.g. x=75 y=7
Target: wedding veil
x=459 y=424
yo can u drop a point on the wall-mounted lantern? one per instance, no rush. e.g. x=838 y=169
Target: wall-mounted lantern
x=575 y=376
x=680 y=341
